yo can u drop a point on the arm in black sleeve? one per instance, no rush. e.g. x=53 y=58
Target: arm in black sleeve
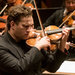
x=53 y=62
x=50 y=20
x=10 y=63
x=71 y=52
x=54 y=19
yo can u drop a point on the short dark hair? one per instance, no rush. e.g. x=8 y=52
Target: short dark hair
x=16 y=13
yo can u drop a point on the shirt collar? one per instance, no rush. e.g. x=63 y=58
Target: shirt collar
x=65 y=12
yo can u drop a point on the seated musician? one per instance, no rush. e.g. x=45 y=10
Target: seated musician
x=57 y=19
x=17 y=57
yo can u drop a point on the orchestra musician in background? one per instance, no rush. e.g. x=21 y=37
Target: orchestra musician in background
x=57 y=18
x=17 y=57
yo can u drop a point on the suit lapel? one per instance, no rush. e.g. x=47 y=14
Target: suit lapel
x=12 y=47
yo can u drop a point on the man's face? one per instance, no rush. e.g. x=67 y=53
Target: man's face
x=70 y=5
x=21 y=31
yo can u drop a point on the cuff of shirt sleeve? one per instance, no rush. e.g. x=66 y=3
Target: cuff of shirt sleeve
x=66 y=52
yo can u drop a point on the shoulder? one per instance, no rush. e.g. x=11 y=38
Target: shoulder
x=3 y=41
x=60 y=10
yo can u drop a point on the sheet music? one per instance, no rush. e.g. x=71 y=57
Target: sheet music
x=67 y=66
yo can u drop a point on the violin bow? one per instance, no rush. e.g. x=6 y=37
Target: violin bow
x=3 y=9
x=23 y=2
x=43 y=32
x=31 y=1
x=67 y=18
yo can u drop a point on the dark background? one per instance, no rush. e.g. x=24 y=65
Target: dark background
x=44 y=14
x=46 y=8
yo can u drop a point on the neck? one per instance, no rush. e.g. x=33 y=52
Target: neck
x=13 y=36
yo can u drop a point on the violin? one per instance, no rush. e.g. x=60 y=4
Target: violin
x=53 y=32
x=3 y=25
x=69 y=19
x=29 y=5
x=17 y=2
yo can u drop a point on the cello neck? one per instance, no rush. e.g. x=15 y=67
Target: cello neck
x=58 y=30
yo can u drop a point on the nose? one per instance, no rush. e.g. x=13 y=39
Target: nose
x=29 y=28
x=71 y=3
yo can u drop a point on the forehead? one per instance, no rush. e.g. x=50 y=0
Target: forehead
x=27 y=20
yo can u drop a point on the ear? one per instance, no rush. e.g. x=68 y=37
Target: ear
x=12 y=24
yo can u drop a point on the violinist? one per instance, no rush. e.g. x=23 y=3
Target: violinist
x=17 y=57
x=57 y=19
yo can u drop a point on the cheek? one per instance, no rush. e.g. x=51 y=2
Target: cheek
x=18 y=30
x=20 y=34
x=74 y=5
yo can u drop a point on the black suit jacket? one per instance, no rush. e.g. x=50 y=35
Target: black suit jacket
x=19 y=58
x=54 y=19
